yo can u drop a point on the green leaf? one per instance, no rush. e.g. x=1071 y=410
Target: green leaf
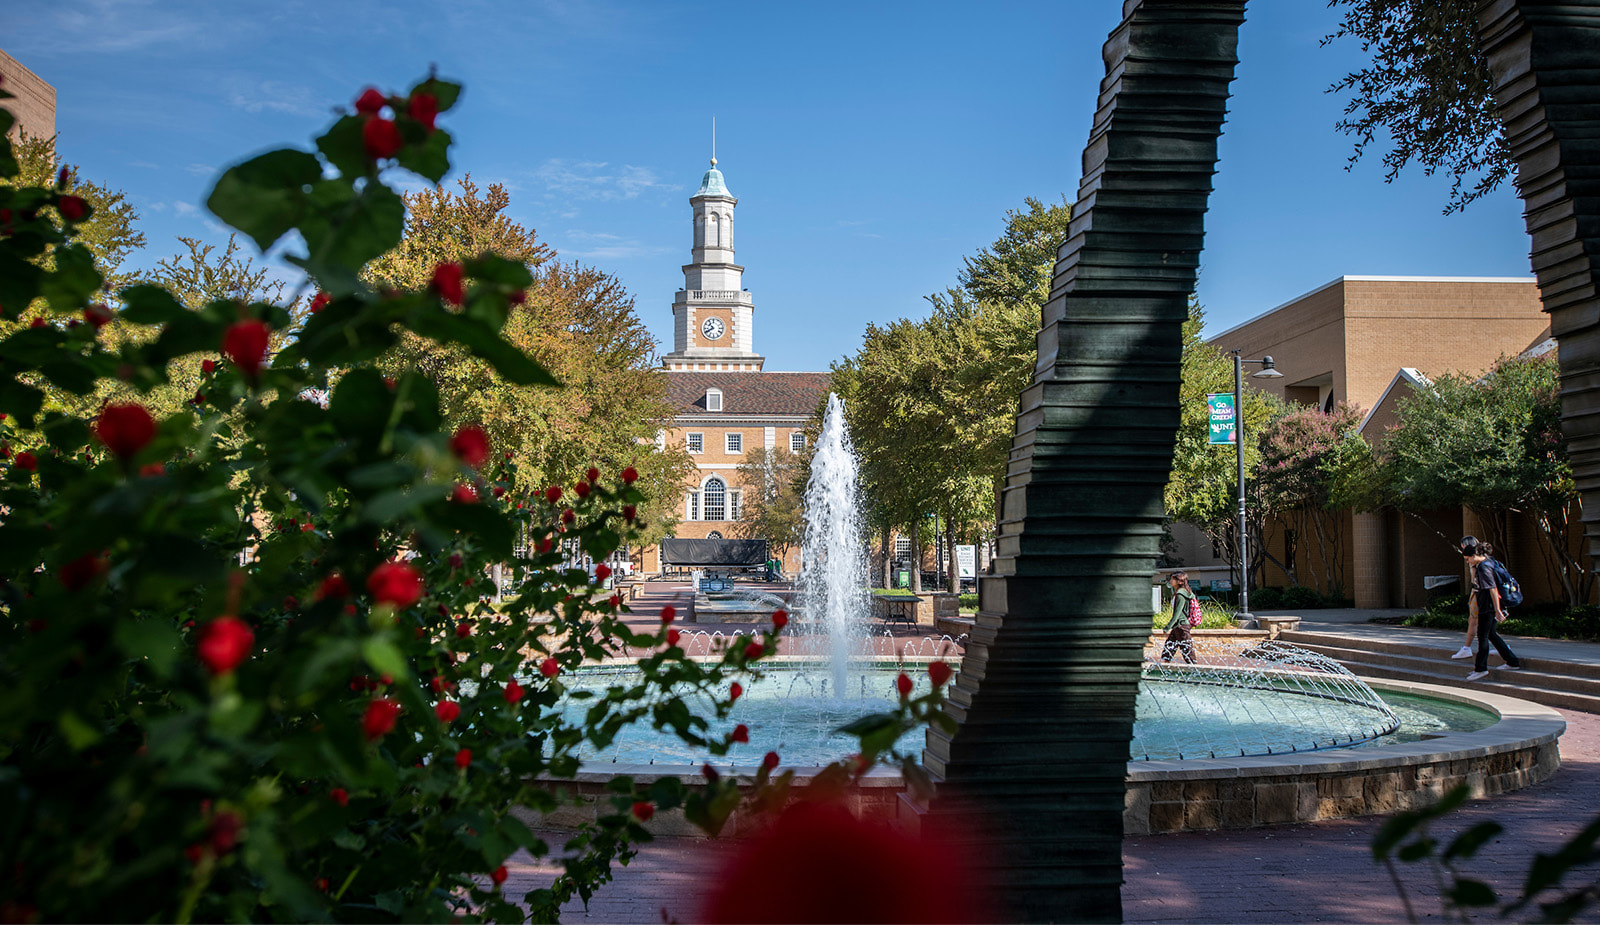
x=869 y=725
x=360 y=404
x=19 y=400
x=385 y=657
x=431 y=158
x=74 y=280
x=1473 y=893
x=19 y=281
x=512 y=364
x=344 y=147
x=265 y=196
x=79 y=734
x=1417 y=850
x=444 y=92
x=350 y=233
x=147 y=304
x=1467 y=843
x=492 y=268
x=155 y=641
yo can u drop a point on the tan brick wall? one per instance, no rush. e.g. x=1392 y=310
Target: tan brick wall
x=35 y=103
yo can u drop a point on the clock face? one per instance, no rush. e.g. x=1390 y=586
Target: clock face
x=712 y=329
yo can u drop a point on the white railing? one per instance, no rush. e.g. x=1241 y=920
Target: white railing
x=715 y=295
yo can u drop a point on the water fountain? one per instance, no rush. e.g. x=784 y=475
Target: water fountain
x=833 y=567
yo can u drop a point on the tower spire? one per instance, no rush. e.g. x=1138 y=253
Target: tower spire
x=713 y=141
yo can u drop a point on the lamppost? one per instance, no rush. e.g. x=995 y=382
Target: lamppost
x=1268 y=371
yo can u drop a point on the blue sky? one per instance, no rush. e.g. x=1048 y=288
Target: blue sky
x=871 y=145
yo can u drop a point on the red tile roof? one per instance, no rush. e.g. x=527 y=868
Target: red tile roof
x=748 y=393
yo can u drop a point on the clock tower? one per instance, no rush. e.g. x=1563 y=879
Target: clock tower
x=713 y=314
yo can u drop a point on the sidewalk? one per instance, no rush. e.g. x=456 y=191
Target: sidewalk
x=1352 y=622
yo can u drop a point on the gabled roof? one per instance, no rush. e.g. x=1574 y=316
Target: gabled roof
x=747 y=393
x=1407 y=376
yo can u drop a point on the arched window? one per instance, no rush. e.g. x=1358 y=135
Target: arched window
x=715 y=499
x=711 y=230
x=713 y=399
x=714 y=535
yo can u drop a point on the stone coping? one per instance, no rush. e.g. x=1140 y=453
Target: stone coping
x=1522 y=725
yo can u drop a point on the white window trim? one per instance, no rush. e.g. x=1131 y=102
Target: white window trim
x=735 y=504
x=690 y=439
x=713 y=399
x=797 y=442
x=728 y=441
x=705 y=493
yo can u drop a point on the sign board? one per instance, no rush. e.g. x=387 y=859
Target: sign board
x=1221 y=584
x=966 y=561
x=1222 y=418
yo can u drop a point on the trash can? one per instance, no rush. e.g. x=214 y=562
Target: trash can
x=902 y=578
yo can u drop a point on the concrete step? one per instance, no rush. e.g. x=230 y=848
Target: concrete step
x=1546 y=681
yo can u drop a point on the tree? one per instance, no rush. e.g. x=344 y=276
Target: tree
x=1493 y=444
x=1428 y=88
x=1294 y=486
x=774 y=489
x=578 y=322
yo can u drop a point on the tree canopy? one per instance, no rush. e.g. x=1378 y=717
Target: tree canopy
x=774 y=488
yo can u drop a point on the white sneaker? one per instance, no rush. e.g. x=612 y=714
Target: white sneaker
x=1477 y=675
x=1463 y=653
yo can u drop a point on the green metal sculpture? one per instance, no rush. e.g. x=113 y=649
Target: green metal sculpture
x=1034 y=779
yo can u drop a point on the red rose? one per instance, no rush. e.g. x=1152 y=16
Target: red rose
x=464 y=494
x=567 y=516
x=395 y=583
x=320 y=302
x=643 y=811
x=770 y=761
x=80 y=571
x=615 y=601
x=581 y=489
x=447 y=282
x=545 y=545
x=629 y=475
x=513 y=692
x=518 y=297
x=754 y=650
x=26 y=460
x=499 y=491
x=630 y=512
x=780 y=618
x=125 y=429
x=72 y=208
x=225 y=828
x=499 y=875
x=735 y=692
x=423 y=107
x=471 y=446
x=903 y=685
x=464 y=758
x=592 y=474
x=447 y=711
x=669 y=613
x=370 y=102
x=340 y=796
x=602 y=572
x=672 y=637
x=709 y=773
x=741 y=733
x=939 y=672
x=553 y=494
x=549 y=668
x=334 y=587
x=381 y=137
x=380 y=718
x=97 y=315
x=207 y=366
x=245 y=343
x=224 y=643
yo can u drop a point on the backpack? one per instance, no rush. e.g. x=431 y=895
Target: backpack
x=1195 y=616
x=1510 y=591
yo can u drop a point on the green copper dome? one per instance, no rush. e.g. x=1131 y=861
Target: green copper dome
x=711 y=184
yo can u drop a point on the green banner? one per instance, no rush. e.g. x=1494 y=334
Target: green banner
x=1222 y=418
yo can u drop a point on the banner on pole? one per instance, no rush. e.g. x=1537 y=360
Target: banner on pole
x=1223 y=420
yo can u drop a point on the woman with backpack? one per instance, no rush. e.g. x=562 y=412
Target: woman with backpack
x=1486 y=589
x=1179 y=639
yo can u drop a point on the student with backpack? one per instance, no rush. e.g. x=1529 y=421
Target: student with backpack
x=1487 y=587
x=1185 y=613
x=1510 y=593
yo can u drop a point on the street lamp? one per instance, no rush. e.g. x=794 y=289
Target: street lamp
x=1268 y=371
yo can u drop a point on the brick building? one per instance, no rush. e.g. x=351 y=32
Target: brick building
x=724 y=404
x=34 y=105
x=1369 y=340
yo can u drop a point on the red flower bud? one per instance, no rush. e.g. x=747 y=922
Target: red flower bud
x=755 y=650
x=629 y=475
x=615 y=601
x=741 y=733
x=79 y=572
x=333 y=587
x=245 y=343
x=567 y=516
x=499 y=491
x=225 y=828
x=513 y=692
x=320 y=301
x=630 y=512
x=395 y=583
x=447 y=711
x=780 y=618
x=709 y=773
x=26 y=460
x=464 y=761
x=643 y=811
x=581 y=489
x=72 y=208
x=553 y=494
x=423 y=107
x=370 y=102
x=207 y=367
x=499 y=875
x=903 y=685
x=669 y=613
x=544 y=544
x=463 y=629
x=381 y=137
x=447 y=282
x=549 y=668
x=125 y=429
x=770 y=761
x=602 y=572
x=471 y=446
x=592 y=474
x=224 y=643
x=380 y=718
x=97 y=315
x=340 y=796
x=464 y=494
x=939 y=673
x=735 y=692
x=672 y=637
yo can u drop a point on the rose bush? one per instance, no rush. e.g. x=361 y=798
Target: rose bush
x=251 y=669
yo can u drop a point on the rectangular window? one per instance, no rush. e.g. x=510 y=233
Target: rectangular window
x=735 y=504
x=713 y=400
x=697 y=443
x=735 y=443
x=902 y=547
x=716 y=497
x=797 y=442
x=691 y=506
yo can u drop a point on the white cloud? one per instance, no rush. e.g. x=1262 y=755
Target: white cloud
x=598 y=180
x=601 y=245
x=184 y=208
x=279 y=97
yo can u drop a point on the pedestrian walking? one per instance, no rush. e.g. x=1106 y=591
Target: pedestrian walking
x=1486 y=589
x=1472 y=607
x=1179 y=639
